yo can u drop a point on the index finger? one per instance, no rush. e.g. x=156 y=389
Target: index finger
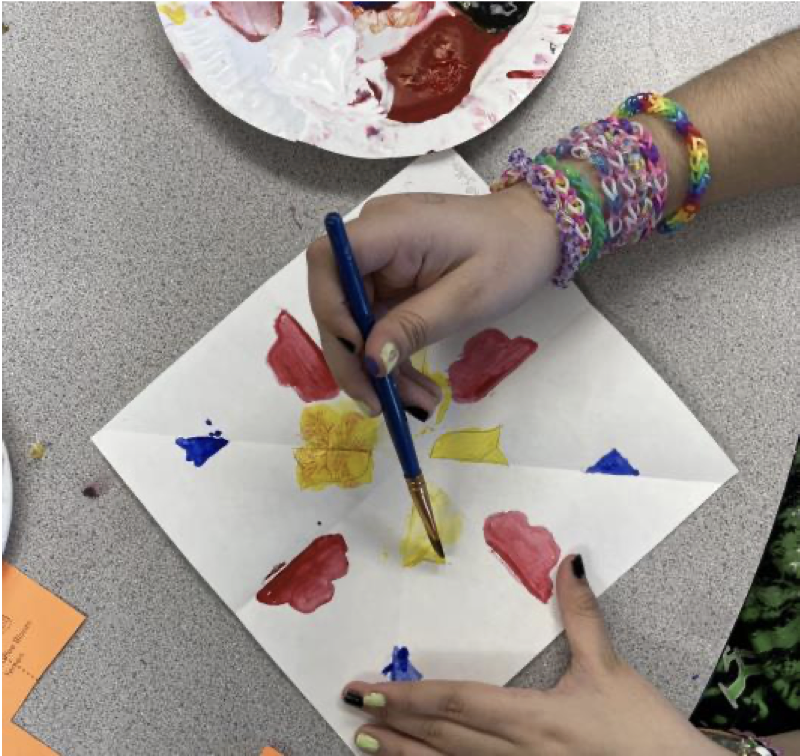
x=375 y=242
x=488 y=708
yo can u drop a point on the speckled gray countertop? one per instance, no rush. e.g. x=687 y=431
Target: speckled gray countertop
x=137 y=214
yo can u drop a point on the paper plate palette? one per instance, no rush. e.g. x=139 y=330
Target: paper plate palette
x=369 y=79
x=8 y=496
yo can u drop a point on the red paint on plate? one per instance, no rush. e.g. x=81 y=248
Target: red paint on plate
x=564 y=28
x=529 y=551
x=539 y=73
x=254 y=21
x=433 y=72
x=488 y=358
x=306 y=583
x=298 y=362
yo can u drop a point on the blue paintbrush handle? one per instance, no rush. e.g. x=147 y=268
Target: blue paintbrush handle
x=385 y=388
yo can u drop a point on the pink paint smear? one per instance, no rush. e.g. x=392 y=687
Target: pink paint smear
x=528 y=551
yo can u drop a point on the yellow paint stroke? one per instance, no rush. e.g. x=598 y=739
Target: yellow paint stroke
x=420 y=362
x=175 y=12
x=338 y=447
x=415 y=546
x=470 y=445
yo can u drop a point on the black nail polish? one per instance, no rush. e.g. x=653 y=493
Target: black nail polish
x=418 y=413
x=348 y=345
x=373 y=368
x=354 y=698
x=578 y=568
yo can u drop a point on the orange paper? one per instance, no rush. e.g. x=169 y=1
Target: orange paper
x=17 y=741
x=270 y=752
x=36 y=626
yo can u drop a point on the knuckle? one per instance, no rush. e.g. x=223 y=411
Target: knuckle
x=317 y=251
x=375 y=204
x=586 y=606
x=402 y=703
x=414 y=329
x=431 y=730
x=453 y=705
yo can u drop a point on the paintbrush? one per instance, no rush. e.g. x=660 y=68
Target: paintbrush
x=385 y=388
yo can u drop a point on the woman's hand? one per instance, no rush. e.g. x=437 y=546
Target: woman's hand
x=432 y=264
x=601 y=707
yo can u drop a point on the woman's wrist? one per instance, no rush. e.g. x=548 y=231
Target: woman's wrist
x=522 y=201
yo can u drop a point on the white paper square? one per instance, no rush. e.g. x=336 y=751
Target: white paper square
x=584 y=392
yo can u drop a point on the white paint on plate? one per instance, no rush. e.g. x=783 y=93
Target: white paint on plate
x=311 y=87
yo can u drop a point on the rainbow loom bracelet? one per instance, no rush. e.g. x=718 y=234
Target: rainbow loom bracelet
x=592 y=203
x=650 y=103
x=560 y=199
x=632 y=173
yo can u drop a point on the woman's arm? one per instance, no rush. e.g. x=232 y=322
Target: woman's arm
x=748 y=110
x=439 y=263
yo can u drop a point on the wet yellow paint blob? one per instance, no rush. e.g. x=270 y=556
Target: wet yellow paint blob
x=470 y=445
x=338 y=447
x=420 y=362
x=175 y=12
x=37 y=450
x=415 y=546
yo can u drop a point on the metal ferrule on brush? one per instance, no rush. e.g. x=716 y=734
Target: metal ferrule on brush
x=422 y=503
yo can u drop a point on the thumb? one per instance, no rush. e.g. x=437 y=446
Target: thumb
x=443 y=308
x=583 y=623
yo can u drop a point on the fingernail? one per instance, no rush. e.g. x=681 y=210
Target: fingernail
x=373 y=368
x=348 y=345
x=578 y=568
x=375 y=700
x=389 y=356
x=354 y=698
x=418 y=413
x=367 y=743
x=365 y=409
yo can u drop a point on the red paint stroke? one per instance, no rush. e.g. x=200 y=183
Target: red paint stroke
x=306 y=583
x=529 y=551
x=564 y=28
x=433 y=72
x=536 y=73
x=488 y=358
x=298 y=362
x=254 y=21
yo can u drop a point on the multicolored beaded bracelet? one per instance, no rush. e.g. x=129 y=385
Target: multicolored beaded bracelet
x=651 y=103
x=634 y=168
x=561 y=200
x=592 y=203
x=632 y=175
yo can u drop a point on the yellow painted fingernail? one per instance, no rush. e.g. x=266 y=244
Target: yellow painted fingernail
x=375 y=700
x=389 y=356
x=367 y=743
